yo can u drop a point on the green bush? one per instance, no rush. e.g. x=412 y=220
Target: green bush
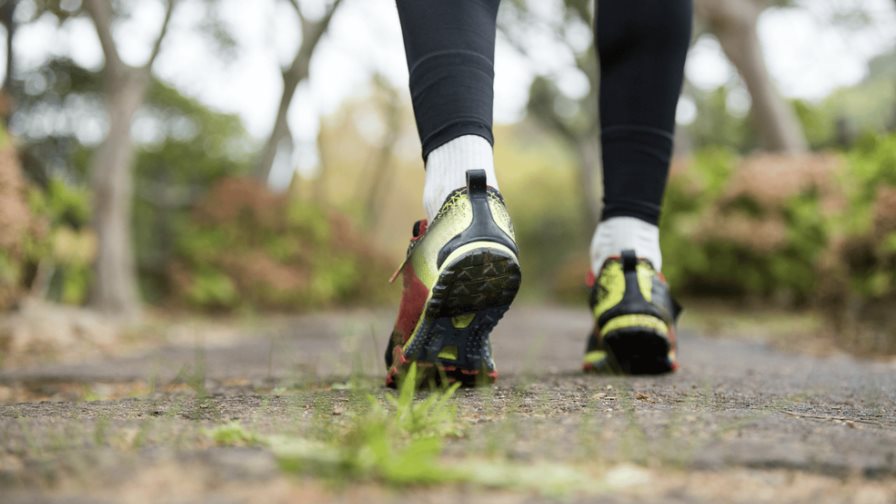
x=16 y=224
x=860 y=271
x=863 y=259
x=814 y=230
x=62 y=256
x=44 y=247
x=751 y=228
x=245 y=247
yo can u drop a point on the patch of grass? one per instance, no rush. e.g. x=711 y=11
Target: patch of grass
x=399 y=441
x=234 y=434
x=396 y=442
x=369 y=452
x=90 y=395
x=436 y=415
x=101 y=431
x=195 y=376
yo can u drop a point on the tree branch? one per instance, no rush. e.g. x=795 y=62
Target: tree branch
x=295 y=73
x=319 y=27
x=312 y=32
x=157 y=46
x=731 y=13
x=101 y=13
x=298 y=8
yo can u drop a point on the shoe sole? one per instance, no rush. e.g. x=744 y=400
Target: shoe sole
x=638 y=352
x=471 y=295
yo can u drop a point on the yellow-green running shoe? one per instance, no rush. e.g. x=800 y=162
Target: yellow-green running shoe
x=634 y=330
x=460 y=275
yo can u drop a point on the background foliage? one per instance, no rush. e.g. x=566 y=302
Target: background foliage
x=816 y=229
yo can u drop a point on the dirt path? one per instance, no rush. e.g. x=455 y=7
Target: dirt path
x=740 y=423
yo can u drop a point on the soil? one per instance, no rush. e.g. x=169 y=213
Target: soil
x=744 y=420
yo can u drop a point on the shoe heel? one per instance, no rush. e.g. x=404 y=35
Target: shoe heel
x=482 y=228
x=638 y=352
x=480 y=276
x=474 y=290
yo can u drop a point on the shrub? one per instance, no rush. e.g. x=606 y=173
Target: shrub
x=859 y=270
x=15 y=221
x=61 y=256
x=749 y=228
x=807 y=230
x=246 y=247
x=44 y=245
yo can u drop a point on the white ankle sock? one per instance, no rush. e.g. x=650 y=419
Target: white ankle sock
x=446 y=169
x=621 y=233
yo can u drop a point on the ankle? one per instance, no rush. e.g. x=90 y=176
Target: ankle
x=622 y=233
x=446 y=169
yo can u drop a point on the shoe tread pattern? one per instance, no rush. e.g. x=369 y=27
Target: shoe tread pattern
x=483 y=282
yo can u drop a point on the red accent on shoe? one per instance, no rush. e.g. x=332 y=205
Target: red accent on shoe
x=398 y=356
x=590 y=279
x=673 y=344
x=413 y=301
x=422 y=226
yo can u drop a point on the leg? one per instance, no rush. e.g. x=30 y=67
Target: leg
x=642 y=47
x=461 y=271
x=450 y=48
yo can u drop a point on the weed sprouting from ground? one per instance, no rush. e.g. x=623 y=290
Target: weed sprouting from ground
x=400 y=441
x=195 y=376
x=234 y=434
x=436 y=415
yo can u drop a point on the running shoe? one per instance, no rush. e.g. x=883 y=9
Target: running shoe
x=634 y=330
x=460 y=275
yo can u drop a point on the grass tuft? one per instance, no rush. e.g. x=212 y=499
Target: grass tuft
x=400 y=441
x=234 y=434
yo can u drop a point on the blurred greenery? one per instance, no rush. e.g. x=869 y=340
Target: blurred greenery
x=186 y=151
x=726 y=237
x=816 y=230
x=196 y=147
x=244 y=247
x=62 y=258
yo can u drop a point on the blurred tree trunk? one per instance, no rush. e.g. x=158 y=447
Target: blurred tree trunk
x=319 y=193
x=115 y=287
x=297 y=71
x=734 y=23
x=588 y=156
x=581 y=130
x=582 y=139
x=7 y=19
x=381 y=168
x=580 y=136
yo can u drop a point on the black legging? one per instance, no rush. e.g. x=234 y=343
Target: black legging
x=642 y=44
